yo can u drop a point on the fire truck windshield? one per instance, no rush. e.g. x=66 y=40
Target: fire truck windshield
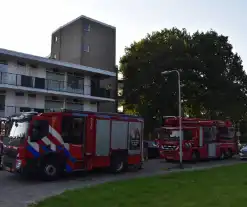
x=172 y=134
x=187 y=134
x=161 y=133
x=19 y=129
x=226 y=132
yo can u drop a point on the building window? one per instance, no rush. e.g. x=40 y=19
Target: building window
x=73 y=129
x=33 y=66
x=3 y=62
x=26 y=81
x=39 y=83
x=3 y=66
x=87 y=27
x=19 y=94
x=31 y=95
x=21 y=63
x=56 y=38
x=25 y=109
x=86 y=48
x=38 y=110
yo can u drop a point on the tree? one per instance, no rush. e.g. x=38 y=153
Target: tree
x=211 y=74
x=222 y=73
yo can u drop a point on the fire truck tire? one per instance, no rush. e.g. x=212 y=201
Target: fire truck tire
x=50 y=170
x=117 y=165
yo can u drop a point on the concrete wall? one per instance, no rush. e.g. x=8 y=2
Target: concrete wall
x=13 y=103
x=101 y=40
x=26 y=70
x=102 y=46
x=67 y=43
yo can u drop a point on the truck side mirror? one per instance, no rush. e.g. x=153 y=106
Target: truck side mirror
x=35 y=134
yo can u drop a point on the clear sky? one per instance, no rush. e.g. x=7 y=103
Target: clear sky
x=26 y=25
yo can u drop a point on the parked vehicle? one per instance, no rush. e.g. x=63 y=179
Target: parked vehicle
x=159 y=136
x=3 y=132
x=243 y=153
x=51 y=143
x=201 y=139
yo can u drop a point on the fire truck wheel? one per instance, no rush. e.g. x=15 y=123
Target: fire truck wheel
x=50 y=170
x=117 y=166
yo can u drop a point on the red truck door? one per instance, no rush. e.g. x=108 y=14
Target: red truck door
x=39 y=140
x=73 y=131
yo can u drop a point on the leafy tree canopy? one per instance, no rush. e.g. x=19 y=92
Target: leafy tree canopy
x=213 y=82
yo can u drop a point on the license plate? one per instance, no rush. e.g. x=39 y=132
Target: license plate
x=169 y=157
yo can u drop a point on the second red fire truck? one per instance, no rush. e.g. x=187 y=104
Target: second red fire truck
x=201 y=139
x=51 y=143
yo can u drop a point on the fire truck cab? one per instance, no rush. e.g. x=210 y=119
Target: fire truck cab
x=54 y=142
x=201 y=139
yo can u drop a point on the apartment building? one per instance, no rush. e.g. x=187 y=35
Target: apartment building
x=32 y=83
x=92 y=43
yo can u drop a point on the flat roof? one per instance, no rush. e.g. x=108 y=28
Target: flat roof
x=84 y=17
x=14 y=55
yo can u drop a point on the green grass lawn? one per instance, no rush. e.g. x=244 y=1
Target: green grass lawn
x=221 y=187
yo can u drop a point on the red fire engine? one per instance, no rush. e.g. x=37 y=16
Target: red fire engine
x=3 y=131
x=201 y=139
x=54 y=142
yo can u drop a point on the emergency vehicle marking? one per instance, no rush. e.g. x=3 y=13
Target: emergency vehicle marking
x=55 y=134
x=35 y=148
x=46 y=140
x=33 y=151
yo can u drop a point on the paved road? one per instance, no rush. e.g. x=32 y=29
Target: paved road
x=15 y=191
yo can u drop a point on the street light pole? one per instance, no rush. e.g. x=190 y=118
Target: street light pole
x=179 y=115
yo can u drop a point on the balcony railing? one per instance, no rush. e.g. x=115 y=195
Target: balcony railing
x=6 y=111
x=52 y=85
x=10 y=110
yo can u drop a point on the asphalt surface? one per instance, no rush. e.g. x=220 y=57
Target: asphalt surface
x=18 y=192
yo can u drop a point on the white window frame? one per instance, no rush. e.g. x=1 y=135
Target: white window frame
x=88 y=28
x=86 y=48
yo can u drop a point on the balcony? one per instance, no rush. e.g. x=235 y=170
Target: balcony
x=74 y=87
x=10 y=110
x=6 y=111
x=101 y=92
